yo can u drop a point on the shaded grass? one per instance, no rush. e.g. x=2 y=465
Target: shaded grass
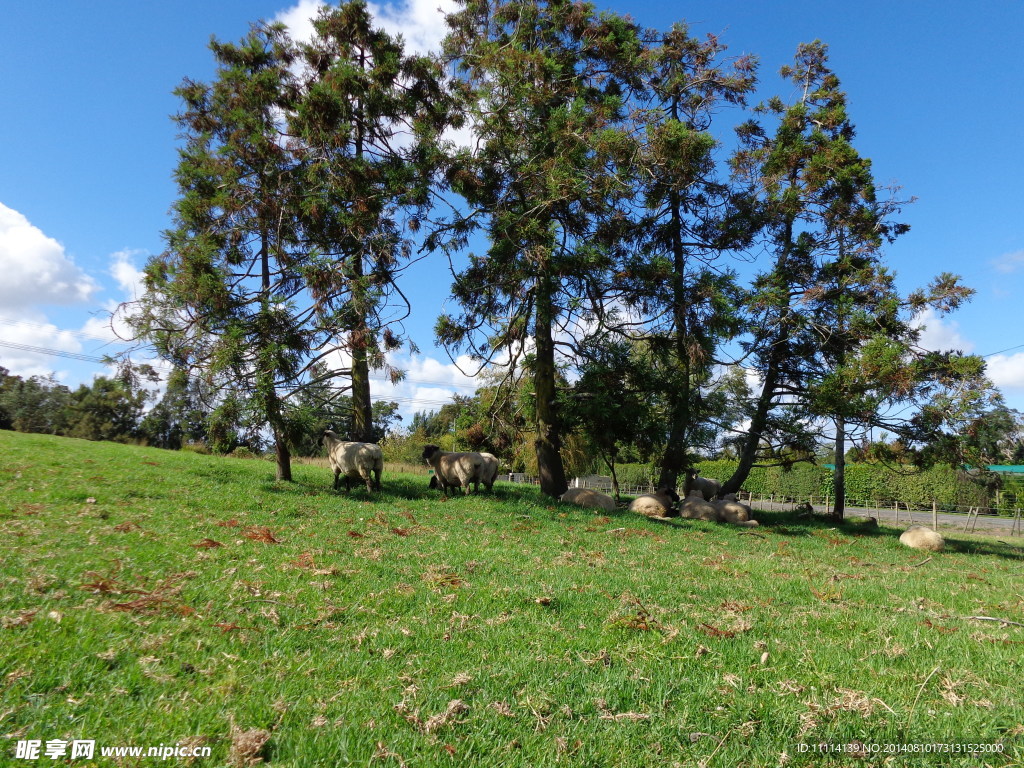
x=504 y=629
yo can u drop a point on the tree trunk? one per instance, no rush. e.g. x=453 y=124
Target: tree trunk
x=284 y=457
x=362 y=408
x=674 y=460
x=839 y=474
x=548 y=443
x=757 y=424
x=609 y=461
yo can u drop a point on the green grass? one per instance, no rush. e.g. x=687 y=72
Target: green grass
x=501 y=630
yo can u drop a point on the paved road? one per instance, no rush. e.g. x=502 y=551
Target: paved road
x=946 y=520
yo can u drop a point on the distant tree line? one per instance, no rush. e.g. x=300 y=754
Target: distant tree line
x=123 y=409
x=647 y=265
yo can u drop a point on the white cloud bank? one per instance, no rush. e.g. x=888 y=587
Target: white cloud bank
x=1009 y=263
x=35 y=268
x=939 y=335
x=419 y=22
x=1006 y=371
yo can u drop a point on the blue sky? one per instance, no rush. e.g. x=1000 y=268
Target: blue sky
x=88 y=151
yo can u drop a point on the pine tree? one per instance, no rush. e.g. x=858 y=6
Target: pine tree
x=286 y=240
x=674 y=276
x=545 y=85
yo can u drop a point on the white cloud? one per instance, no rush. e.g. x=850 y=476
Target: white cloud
x=1009 y=262
x=428 y=385
x=27 y=329
x=299 y=18
x=35 y=268
x=1006 y=371
x=940 y=335
x=419 y=22
x=129 y=278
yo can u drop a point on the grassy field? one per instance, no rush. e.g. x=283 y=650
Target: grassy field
x=157 y=598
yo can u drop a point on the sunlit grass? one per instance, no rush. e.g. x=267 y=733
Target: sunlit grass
x=154 y=597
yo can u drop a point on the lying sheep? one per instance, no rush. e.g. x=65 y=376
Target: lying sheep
x=586 y=497
x=708 y=487
x=728 y=510
x=919 y=537
x=354 y=461
x=657 y=504
x=454 y=470
x=695 y=507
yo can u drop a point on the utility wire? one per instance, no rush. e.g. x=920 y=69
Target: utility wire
x=54 y=352
x=162 y=366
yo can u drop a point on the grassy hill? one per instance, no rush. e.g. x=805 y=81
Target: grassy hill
x=157 y=598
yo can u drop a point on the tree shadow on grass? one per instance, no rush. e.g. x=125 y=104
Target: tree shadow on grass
x=992 y=547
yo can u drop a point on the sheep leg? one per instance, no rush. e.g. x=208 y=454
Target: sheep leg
x=337 y=478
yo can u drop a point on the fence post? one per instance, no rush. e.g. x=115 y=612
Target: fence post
x=897 y=506
x=935 y=517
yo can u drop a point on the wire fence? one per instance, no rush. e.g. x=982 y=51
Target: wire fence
x=898 y=511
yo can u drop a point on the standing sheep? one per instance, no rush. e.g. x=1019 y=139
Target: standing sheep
x=708 y=487
x=490 y=472
x=587 y=497
x=657 y=504
x=454 y=470
x=354 y=461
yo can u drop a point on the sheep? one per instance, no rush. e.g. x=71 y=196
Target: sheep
x=586 y=497
x=657 y=504
x=452 y=470
x=728 y=510
x=354 y=461
x=708 y=487
x=490 y=470
x=695 y=507
x=919 y=537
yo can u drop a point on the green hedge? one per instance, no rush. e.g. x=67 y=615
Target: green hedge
x=874 y=483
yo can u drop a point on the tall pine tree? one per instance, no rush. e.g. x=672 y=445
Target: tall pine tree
x=545 y=85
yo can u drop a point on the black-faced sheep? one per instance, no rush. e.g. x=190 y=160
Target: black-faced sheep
x=919 y=537
x=454 y=470
x=657 y=504
x=587 y=497
x=708 y=487
x=354 y=461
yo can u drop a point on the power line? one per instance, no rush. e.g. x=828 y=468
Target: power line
x=1008 y=349
x=50 y=328
x=93 y=359
x=55 y=352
